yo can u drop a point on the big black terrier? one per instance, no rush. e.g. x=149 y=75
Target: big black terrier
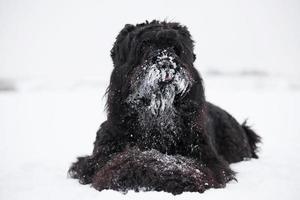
x=160 y=133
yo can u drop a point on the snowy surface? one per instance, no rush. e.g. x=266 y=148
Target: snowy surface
x=43 y=129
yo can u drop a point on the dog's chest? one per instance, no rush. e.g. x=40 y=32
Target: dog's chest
x=158 y=125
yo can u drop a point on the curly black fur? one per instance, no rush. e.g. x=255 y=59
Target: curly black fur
x=160 y=133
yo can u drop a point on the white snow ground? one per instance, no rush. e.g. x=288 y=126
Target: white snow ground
x=44 y=126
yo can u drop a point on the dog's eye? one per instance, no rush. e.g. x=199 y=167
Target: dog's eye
x=177 y=50
x=145 y=45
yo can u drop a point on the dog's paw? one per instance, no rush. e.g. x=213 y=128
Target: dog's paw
x=83 y=169
x=220 y=172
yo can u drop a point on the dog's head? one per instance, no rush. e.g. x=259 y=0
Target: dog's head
x=153 y=70
x=137 y=43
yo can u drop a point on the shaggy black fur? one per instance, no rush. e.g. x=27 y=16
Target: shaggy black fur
x=160 y=133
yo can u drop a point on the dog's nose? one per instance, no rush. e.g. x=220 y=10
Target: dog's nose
x=166 y=64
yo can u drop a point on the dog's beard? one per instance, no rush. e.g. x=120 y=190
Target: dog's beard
x=153 y=92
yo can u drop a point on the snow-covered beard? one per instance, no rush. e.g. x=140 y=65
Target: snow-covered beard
x=154 y=87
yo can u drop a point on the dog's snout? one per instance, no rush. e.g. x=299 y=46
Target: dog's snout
x=166 y=64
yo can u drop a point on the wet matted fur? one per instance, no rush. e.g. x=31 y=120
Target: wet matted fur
x=160 y=133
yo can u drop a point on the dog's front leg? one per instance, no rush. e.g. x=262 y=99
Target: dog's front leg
x=214 y=165
x=108 y=142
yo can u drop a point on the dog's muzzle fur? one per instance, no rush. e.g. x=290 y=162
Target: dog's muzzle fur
x=156 y=87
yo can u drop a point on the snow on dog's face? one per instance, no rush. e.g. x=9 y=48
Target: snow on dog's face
x=155 y=86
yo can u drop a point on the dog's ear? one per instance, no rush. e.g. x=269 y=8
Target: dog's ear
x=120 y=50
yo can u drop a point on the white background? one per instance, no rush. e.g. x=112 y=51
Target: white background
x=55 y=66
x=62 y=38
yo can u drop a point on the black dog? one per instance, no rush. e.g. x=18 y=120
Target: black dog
x=160 y=132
